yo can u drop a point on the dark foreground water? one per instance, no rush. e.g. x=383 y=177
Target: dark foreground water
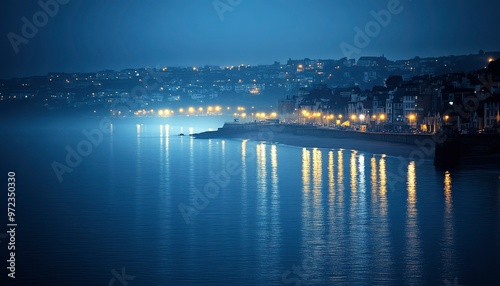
x=144 y=206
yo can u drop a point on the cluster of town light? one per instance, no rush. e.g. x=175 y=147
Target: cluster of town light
x=352 y=117
x=375 y=117
x=142 y=112
x=362 y=117
x=216 y=110
x=210 y=110
x=258 y=115
x=310 y=115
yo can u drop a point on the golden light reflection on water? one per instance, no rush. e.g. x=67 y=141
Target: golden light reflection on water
x=380 y=229
x=262 y=214
x=337 y=252
x=331 y=179
x=306 y=166
x=448 y=244
x=268 y=224
x=317 y=179
x=361 y=170
x=411 y=185
x=340 y=175
x=261 y=180
x=447 y=192
x=353 y=172
x=313 y=247
x=373 y=178
x=306 y=181
x=353 y=175
x=413 y=249
x=383 y=186
x=363 y=213
x=275 y=225
x=274 y=172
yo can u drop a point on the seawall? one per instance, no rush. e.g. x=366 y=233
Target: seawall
x=236 y=130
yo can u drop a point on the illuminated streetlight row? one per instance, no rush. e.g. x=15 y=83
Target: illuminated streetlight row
x=189 y=110
x=259 y=115
x=308 y=114
x=363 y=117
x=209 y=110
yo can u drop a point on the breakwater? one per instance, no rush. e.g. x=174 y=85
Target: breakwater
x=449 y=149
x=237 y=130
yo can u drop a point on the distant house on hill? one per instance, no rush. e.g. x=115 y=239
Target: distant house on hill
x=372 y=61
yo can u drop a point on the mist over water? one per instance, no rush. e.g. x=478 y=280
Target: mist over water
x=278 y=215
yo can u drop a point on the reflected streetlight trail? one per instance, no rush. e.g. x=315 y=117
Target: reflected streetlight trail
x=382 y=248
x=165 y=198
x=275 y=231
x=447 y=241
x=223 y=149
x=244 y=185
x=413 y=251
x=383 y=186
x=244 y=206
x=306 y=166
x=318 y=244
x=307 y=220
x=331 y=178
x=138 y=157
x=374 y=186
x=358 y=240
x=261 y=211
x=340 y=176
x=385 y=247
x=353 y=175
x=317 y=186
x=313 y=241
x=335 y=249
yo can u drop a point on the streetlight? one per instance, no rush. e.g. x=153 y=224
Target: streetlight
x=361 y=118
x=412 y=116
x=353 y=118
x=446 y=117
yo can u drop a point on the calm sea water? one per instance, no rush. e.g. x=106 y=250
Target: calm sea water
x=147 y=207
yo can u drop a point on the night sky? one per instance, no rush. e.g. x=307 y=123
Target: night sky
x=94 y=35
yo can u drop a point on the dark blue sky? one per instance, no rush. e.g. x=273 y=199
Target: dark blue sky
x=93 y=35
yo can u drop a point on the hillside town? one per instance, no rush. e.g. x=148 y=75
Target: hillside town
x=467 y=102
x=419 y=94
